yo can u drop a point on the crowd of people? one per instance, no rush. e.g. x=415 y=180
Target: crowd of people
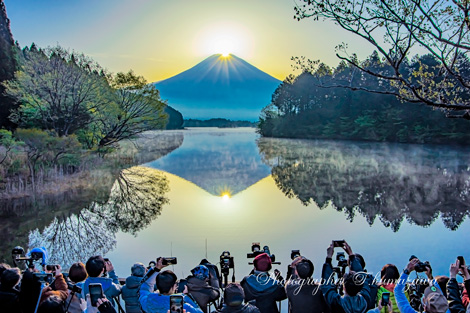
x=346 y=288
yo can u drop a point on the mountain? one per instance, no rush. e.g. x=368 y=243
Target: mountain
x=219 y=87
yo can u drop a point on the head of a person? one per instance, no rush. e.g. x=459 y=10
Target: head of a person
x=389 y=274
x=442 y=282
x=234 y=295
x=95 y=266
x=77 y=272
x=10 y=278
x=3 y=266
x=52 y=304
x=352 y=283
x=434 y=300
x=262 y=262
x=305 y=269
x=166 y=282
x=138 y=269
x=360 y=258
x=201 y=272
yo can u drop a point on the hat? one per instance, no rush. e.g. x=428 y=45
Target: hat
x=234 y=295
x=201 y=272
x=262 y=262
x=435 y=301
x=41 y=250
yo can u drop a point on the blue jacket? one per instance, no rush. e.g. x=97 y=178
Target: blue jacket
x=157 y=303
x=111 y=286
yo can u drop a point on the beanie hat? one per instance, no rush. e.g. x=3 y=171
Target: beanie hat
x=234 y=295
x=44 y=254
x=434 y=300
x=262 y=262
x=201 y=272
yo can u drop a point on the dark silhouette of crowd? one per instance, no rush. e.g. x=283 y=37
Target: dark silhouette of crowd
x=345 y=287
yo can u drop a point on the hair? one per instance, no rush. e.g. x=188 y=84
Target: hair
x=389 y=273
x=361 y=260
x=165 y=281
x=442 y=282
x=52 y=304
x=10 y=278
x=3 y=266
x=138 y=269
x=351 y=285
x=77 y=272
x=95 y=265
x=305 y=269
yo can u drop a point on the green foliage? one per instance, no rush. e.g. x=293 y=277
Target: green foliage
x=303 y=107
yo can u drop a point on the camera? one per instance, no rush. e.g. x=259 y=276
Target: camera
x=19 y=258
x=421 y=266
x=43 y=278
x=255 y=249
x=226 y=261
x=341 y=258
x=294 y=254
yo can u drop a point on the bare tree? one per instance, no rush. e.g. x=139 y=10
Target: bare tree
x=398 y=28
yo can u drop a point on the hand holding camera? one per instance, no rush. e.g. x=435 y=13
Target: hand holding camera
x=109 y=266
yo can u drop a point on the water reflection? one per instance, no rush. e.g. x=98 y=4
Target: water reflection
x=219 y=161
x=391 y=182
x=136 y=199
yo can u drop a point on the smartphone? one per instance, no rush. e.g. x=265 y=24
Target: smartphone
x=96 y=292
x=43 y=278
x=51 y=267
x=176 y=304
x=106 y=259
x=182 y=283
x=170 y=261
x=461 y=260
x=385 y=298
x=338 y=243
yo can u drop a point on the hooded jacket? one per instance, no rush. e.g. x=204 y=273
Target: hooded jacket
x=157 y=303
x=130 y=294
x=345 y=304
x=243 y=308
x=265 y=290
x=202 y=292
x=305 y=297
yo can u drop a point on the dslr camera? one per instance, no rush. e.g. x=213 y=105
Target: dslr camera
x=256 y=250
x=226 y=261
x=294 y=254
x=421 y=266
x=341 y=258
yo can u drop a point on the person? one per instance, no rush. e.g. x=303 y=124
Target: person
x=96 y=267
x=130 y=291
x=453 y=291
x=166 y=281
x=199 y=288
x=262 y=288
x=77 y=274
x=303 y=294
x=53 y=297
x=234 y=296
x=373 y=287
x=433 y=300
x=356 y=285
x=9 y=292
x=389 y=276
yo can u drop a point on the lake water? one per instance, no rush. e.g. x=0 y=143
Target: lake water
x=387 y=200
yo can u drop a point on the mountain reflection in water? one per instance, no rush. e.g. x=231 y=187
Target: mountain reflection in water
x=388 y=181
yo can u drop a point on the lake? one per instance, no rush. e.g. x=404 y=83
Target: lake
x=223 y=189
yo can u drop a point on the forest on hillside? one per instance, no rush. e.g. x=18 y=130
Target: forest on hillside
x=324 y=104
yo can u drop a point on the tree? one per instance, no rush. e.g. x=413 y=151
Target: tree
x=58 y=90
x=135 y=107
x=398 y=28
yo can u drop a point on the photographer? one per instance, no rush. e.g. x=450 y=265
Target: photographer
x=234 y=297
x=96 y=267
x=152 y=302
x=77 y=274
x=9 y=292
x=130 y=291
x=261 y=287
x=355 y=285
x=304 y=295
x=433 y=300
x=453 y=292
x=199 y=288
x=53 y=296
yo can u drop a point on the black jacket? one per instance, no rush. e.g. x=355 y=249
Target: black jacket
x=9 y=301
x=202 y=292
x=243 y=308
x=346 y=304
x=454 y=298
x=305 y=297
x=265 y=290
